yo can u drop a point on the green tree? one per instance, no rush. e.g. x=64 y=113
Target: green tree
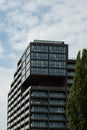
x=77 y=100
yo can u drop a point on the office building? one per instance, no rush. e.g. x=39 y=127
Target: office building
x=38 y=94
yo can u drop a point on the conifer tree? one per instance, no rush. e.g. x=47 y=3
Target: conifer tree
x=77 y=100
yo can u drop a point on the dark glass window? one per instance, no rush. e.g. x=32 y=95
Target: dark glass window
x=39 y=71
x=37 y=55
x=39 y=48
x=39 y=63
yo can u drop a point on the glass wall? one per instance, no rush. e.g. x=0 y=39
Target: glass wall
x=57 y=109
x=56 y=94
x=56 y=102
x=38 y=109
x=38 y=124
x=48 y=58
x=38 y=116
x=57 y=64
x=39 y=63
x=56 y=124
x=39 y=94
x=39 y=48
x=39 y=71
x=39 y=101
x=59 y=72
x=57 y=56
x=56 y=117
x=25 y=65
x=57 y=49
x=39 y=56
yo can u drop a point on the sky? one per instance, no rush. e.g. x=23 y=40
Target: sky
x=23 y=21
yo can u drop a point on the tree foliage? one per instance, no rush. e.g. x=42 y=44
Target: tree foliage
x=77 y=100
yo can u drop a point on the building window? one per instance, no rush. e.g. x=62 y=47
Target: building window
x=39 y=71
x=39 y=48
x=57 y=109
x=39 y=63
x=27 y=73
x=56 y=102
x=23 y=58
x=57 y=64
x=57 y=56
x=28 y=66
x=60 y=72
x=56 y=117
x=60 y=49
x=23 y=64
x=56 y=124
x=56 y=94
x=38 y=124
x=23 y=78
x=37 y=55
x=23 y=71
x=39 y=101
x=38 y=116
x=27 y=59
x=38 y=109
x=39 y=94
x=28 y=51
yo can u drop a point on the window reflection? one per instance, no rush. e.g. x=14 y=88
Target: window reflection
x=56 y=102
x=39 y=70
x=57 y=57
x=57 y=71
x=57 y=49
x=58 y=64
x=39 y=63
x=37 y=55
x=56 y=124
x=39 y=48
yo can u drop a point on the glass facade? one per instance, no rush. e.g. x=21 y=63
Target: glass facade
x=57 y=109
x=56 y=102
x=38 y=124
x=39 y=63
x=39 y=109
x=57 y=49
x=25 y=71
x=56 y=64
x=56 y=125
x=44 y=60
x=39 y=94
x=58 y=56
x=39 y=56
x=58 y=72
x=56 y=117
x=39 y=101
x=39 y=71
x=48 y=59
x=57 y=94
x=39 y=48
x=38 y=116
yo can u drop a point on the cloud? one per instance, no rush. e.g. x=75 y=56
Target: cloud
x=8 y=5
x=1 y=50
x=12 y=58
x=56 y=20
x=6 y=76
x=5 y=80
